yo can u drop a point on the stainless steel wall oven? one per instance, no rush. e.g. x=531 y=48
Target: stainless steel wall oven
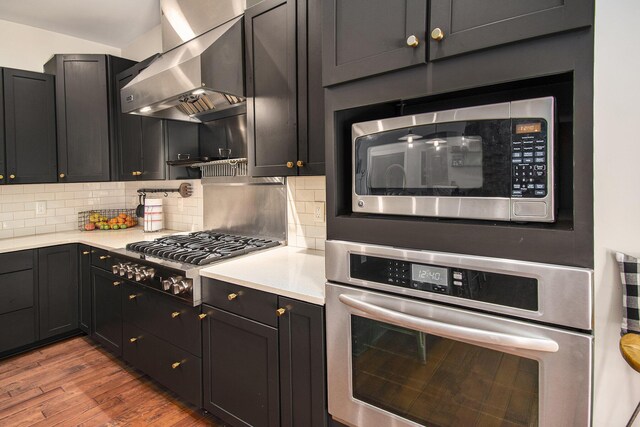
x=436 y=339
x=492 y=162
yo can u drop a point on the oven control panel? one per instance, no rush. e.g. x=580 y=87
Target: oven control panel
x=529 y=158
x=460 y=282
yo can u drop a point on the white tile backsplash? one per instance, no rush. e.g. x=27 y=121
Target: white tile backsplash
x=303 y=194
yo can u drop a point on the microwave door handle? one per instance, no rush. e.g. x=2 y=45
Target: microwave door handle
x=451 y=331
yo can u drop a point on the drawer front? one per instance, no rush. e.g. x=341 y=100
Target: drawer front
x=245 y=302
x=163 y=316
x=16 y=261
x=101 y=258
x=173 y=367
x=16 y=291
x=17 y=329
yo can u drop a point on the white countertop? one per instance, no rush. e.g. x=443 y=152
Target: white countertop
x=113 y=239
x=291 y=272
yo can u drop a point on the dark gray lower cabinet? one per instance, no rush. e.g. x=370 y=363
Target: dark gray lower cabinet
x=17 y=300
x=107 y=310
x=302 y=364
x=57 y=290
x=240 y=369
x=84 y=306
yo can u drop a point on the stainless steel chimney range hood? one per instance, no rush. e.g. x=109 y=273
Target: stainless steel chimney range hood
x=198 y=81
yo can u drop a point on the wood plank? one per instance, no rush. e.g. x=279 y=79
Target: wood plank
x=25 y=404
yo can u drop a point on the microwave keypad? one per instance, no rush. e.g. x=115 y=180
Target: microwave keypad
x=529 y=163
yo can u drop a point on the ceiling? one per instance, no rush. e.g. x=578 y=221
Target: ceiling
x=112 y=22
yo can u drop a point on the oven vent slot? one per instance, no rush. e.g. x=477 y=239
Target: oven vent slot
x=229 y=167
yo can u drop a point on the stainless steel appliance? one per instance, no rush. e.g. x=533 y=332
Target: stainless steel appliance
x=171 y=264
x=493 y=162
x=428 y=338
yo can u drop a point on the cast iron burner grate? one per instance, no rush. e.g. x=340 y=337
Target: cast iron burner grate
x=200 y=248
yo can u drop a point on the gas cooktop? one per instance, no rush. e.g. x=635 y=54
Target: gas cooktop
x=200 y=248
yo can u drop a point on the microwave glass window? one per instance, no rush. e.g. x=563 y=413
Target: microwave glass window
x=436 y=381
x=467 y=158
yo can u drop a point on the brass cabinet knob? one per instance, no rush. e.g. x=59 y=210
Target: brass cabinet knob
x=12 y=176
x=86 y=252
x=132 y=340
x=62 y=175
x=201 y=316
x=280 y=312
x=133 y=296
x=1 y=176
x=175 y=314
x=413 y=41
x=175 y=365
x=103 y=257
x=300 y=163
x=231 y=297
x=116 y=283
x=437 y=34
x=290 y=165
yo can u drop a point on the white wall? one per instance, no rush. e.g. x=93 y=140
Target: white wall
x=617 y=198
x=144 y=46
x=28 y=48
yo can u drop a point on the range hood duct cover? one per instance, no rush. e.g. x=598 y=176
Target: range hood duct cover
x=203 y=75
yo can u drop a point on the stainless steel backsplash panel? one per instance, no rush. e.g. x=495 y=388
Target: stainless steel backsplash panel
x=249 y=206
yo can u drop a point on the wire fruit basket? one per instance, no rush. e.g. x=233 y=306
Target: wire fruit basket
x=107 y=219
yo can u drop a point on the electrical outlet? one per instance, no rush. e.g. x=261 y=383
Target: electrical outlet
x=41 y=208
x=318 y=212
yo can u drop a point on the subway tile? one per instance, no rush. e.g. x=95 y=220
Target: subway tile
x=53 y=188
x=75 y=203
x=53 y=220
x=55 y=204
x=65 y=227
x=304 y=195
x=65 y=211
x=6 y=216
x=25 y=231
x=315 y=231
x=33 y=188
x=5 y=234
x=30 y=206
x=18 y=198
x=17 y=223
x=91 y=186
x=314 y=182
x=64 y=196
x=320 y=195
x=306 y=219
x=320 y=243
x=45 y=229
x=12 y=189
x=12 y=207
x=24 y=214
x=44 y=196
x=34 y=222
x=73 y=187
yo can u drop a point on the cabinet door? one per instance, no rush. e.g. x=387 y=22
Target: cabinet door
x=83 y=118
x=240 y=361
x=129 y=136
x=107 y=310
x=2 y=145
x=84 y=314
x=302 y=364
x=271 y=87
x=310 y=90
x=367 y=37
x=469 y=25
x=153 y=149
x=30 y=127
x=58 y=289
x=183 y=138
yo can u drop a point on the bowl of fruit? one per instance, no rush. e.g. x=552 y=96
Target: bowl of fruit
x=107 y=219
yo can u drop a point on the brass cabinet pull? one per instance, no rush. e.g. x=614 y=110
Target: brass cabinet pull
x=12 y=176
x=232 y=296
x=280 y=312
x=133 y=296
x=175 y=314
x=117 y=283
x=201 y=316
x=175 y=365
x=136 y=173
x=133 y=173
x=86 y=252
x=103 y=257
x=300 y=163
x=132 y=340
x=437 y=34
x=413 y=41
x=62 y=175
x=290 y=165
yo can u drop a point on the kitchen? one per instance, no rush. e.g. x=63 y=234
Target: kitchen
x=356 y=131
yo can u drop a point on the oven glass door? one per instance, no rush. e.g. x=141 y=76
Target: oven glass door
x=457 y=159
x=396 y=361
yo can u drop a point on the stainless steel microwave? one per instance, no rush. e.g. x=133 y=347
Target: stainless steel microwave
x=490 y=162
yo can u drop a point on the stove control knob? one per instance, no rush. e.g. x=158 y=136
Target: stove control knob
x=166 y=284
x=182 y=287
x=150 y=273
x=115 y=268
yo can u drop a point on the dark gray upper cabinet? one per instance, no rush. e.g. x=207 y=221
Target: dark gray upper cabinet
x=140 y=140
x=469 y=25
x=285 y=106
x=366 y=37
x=86 y=114
x=302 y=364
x=29 y=128
x=58 y=290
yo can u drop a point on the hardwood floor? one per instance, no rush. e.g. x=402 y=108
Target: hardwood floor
x=76 y=382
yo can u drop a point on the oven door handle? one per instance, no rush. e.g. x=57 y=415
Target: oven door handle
x=451 y=331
